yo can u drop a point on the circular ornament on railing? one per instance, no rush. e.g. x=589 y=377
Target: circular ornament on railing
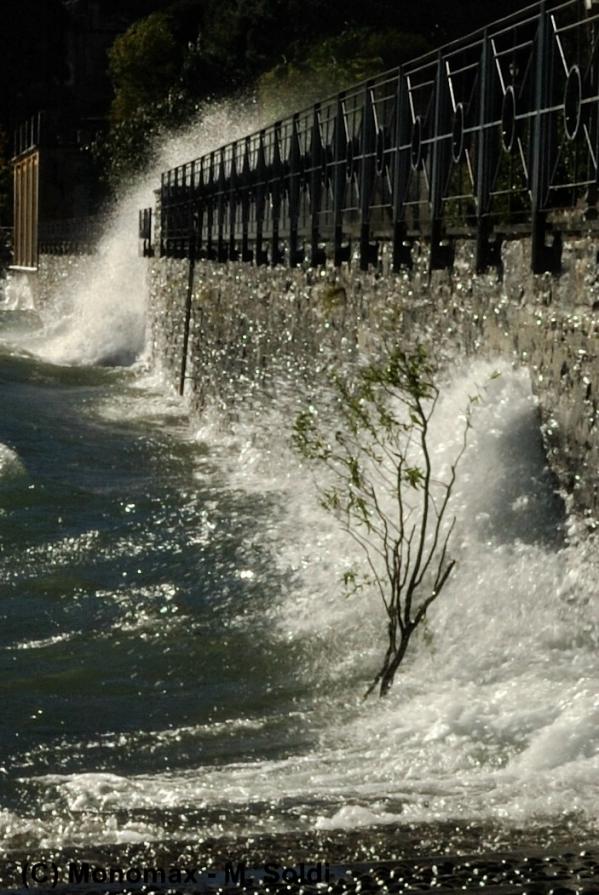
x=508 y=120
x=457 y=135
x=380 y=151
x=416 y=144
x=349 y=160
x=573 y=103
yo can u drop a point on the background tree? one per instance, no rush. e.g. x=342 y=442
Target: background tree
x=143 y=65
x=387 y=492
x=327 y=66
x=54 y=56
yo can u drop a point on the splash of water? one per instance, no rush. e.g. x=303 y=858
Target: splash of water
x=495 y=714
x=96 y=313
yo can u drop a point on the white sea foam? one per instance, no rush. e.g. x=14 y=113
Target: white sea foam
x=505 y=687
x=97 y=313
x=10 y=462
x=351 y=817
x=495 y=717
x=44 y=642
x=18 y=831
x=17 y=295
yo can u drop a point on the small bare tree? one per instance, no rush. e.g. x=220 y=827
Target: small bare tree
x=386 y=492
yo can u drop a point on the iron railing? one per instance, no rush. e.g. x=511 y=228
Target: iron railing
x=27 y=135
x=493 y=135
x=71 y=236
x=145 y=232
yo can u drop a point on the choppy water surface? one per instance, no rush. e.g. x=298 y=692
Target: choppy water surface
x=178 y=660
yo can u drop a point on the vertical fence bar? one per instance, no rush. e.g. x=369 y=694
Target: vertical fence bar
x=199 y=198
x=35 y=207
x=366 y=172
x=193 y=222
x=487 y=254
x=296 y=256
x=544 y=258
x=210 y=194
x=593 y=193
x=317 y=256
x=232 y=203
x=402 y=255
x=339 y=164
x=220 y=207
x=246 y=254
x=440 y=256
x=275 y=190
x=27 y=209
x=261 y=191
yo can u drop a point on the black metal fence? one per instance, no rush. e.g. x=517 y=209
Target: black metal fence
x=145 y=232
x=493 y=135
x=27 y=135
x=71 y=236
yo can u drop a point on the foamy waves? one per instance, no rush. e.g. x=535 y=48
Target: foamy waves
x=96 y=314
x=494 y=717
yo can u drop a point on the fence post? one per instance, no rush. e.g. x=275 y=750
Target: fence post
x=487 y=254
x=193 y=225
x=211 y=192
x=317 y=256
x=261 y=255
x=441 y=256
x=275 y=186
x=198 y=201
x=367 y=256
x=296 y=256
x=402 y=255
x=341 y=254
x=221 y=252
x=544 y=258
x=246 y=253
x=232 y=206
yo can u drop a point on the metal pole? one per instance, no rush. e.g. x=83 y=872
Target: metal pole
x=366 y=170
x=317 y=256
x=402 y=255
x=188 y=299
x=486 y=254
x=543 y=258
x=441 y=256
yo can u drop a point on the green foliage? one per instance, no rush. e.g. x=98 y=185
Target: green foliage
x=165 y=65
x=327 y=66
x=143 y=64
x=158 y=71
x=386 y=490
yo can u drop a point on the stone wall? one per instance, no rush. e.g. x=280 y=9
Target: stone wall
x=37 y=287
x=255 y=330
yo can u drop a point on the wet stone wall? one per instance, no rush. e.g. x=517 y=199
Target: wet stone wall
x=53 y=277
x=256 y=331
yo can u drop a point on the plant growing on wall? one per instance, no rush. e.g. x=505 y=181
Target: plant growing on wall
x=387 y=491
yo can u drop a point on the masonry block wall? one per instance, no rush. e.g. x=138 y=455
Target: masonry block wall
x=255 y=329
